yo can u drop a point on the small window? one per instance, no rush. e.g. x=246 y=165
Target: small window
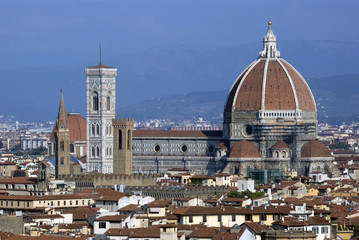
x=233 y=217
x=184 y=148
x=157 y=148
x=129 y=140
x=95 y=101
x=204 y=218
x=62 y=146
x=62 y=161
x=102 y=225
x=72 y=148
x=210 y=149
x=191 y=219
x=93 y=151
x=219 y=218
x=248 y=217
x=108 y=103
x=119 y=139
x=93 y=129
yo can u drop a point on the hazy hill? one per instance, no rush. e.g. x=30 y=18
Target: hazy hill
x=336 y=99
x=33 y=93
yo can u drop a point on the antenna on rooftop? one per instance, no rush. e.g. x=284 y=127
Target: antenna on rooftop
x=100 y=53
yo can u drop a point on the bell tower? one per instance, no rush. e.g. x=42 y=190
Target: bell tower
x=100 y=111
x=62 y=142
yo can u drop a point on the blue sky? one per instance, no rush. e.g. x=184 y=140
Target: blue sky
x=62 y=37
x=67 y=33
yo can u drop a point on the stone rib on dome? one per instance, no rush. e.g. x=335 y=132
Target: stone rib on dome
x=305 y=97
x=280 y=145
x=244 y=149
x=315 y=148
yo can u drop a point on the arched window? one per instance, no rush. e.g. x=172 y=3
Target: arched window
x=108 y=102
x=98 y=151
x=128 y=139
x=98 y=129
x=95 y=101
x=62 y=161
x=93 y=151
x=119 y=139
x=62 y=146
x=93 y=129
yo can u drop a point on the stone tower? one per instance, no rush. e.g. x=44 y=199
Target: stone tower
x=100 y=111
x=62 y=142
x=122 y=143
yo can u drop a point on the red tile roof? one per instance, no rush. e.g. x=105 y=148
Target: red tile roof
x=315 y=148
x=175 y=133
x=244 y=149
x=112 y=218
x=280 y=145
x=77 y=125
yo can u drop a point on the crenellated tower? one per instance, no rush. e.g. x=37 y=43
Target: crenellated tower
x=122 y=151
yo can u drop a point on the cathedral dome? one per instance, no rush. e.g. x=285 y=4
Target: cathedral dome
x=77 y=126
x=244 y=149
x=315 y=148
x=271 y=86
x=280 y=145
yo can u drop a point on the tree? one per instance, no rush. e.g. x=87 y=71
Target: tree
x=247 y=193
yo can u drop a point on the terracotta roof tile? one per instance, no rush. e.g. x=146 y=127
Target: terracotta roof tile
x=77 y=126
x=175 y=133
x=244 y=149
x=315 y=148
x=100 y=66
x=246 y=92
x=112 y=218
x=280 y=145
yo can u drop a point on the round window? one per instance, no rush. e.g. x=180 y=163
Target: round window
x=210 y=149
x=157 y=148
x=248 y=130
x=184 y=148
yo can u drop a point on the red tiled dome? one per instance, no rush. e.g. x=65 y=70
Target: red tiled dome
x=280 y=145
x=270 y=84
x=315 y=148
x=244 y=149
x=77 y=125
